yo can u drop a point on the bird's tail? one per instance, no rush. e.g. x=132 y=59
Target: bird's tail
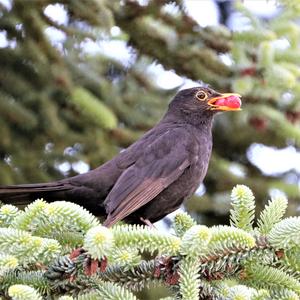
x=26 y=193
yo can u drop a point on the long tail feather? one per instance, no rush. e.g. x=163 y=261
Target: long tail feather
x=26 y=193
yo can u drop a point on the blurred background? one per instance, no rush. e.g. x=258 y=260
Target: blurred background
x=80 y=80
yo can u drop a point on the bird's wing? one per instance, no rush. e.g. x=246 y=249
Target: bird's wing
x=161 y=163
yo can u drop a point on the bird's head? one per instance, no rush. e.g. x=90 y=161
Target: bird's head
x=205 y=100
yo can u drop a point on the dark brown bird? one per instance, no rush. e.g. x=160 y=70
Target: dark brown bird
x=153 y=176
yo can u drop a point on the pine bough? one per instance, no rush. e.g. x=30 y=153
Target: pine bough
x=238 y=262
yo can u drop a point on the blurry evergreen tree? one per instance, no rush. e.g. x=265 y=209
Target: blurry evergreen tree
x=61 y=105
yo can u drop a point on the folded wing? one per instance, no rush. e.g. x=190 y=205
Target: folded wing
x=160 y=164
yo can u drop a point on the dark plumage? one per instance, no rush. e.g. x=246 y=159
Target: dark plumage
x=153 y=176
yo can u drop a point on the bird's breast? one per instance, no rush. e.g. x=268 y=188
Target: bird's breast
x=200 y=156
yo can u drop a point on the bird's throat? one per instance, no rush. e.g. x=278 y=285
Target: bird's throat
x=198 y=119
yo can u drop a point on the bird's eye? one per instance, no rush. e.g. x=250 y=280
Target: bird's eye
x=201 y=95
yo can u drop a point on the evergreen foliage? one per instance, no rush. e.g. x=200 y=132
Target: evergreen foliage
x=242 y=214
x=68 y=104
x=23 y=292
x=272 y=214
x=189 y=279
x=198 y=262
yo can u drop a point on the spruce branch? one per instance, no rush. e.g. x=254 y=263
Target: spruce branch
x=291 y=260
x=261 y=294
x=7 y=262
x=104 y=290
x=68 y=239
x=93 y=108
x=242 y=214
x=228 y=263
x=35 y=279
x=240 y=292
x=134 y=278
x=98 y=241
x=277 y=122
x=111 y=291
x=145 y=239
x=203 y=62
x=189 y=281
x=26 y=247
x=125 y=257
x=63 y=221
x=272 y=214
x=283 y=294
x=50 y=249
x=265 y=276
x=27 y=220
x=23 y=292
x=182 y=223
x=197 y=264
x=285 y=234
x=62 y=215
x=7 y=214
x=224 y=238
x=195 y=241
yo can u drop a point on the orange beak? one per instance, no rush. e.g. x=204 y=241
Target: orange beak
x=226 y=102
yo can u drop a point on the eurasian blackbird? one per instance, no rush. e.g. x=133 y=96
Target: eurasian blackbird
x=153 y=176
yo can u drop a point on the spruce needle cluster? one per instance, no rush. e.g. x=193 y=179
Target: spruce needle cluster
x=239 y=262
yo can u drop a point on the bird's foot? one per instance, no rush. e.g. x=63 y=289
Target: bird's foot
x=148 y=223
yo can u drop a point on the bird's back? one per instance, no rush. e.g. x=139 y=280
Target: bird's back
x=198 y=150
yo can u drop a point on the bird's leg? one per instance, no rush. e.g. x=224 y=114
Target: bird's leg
x=147 y=222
